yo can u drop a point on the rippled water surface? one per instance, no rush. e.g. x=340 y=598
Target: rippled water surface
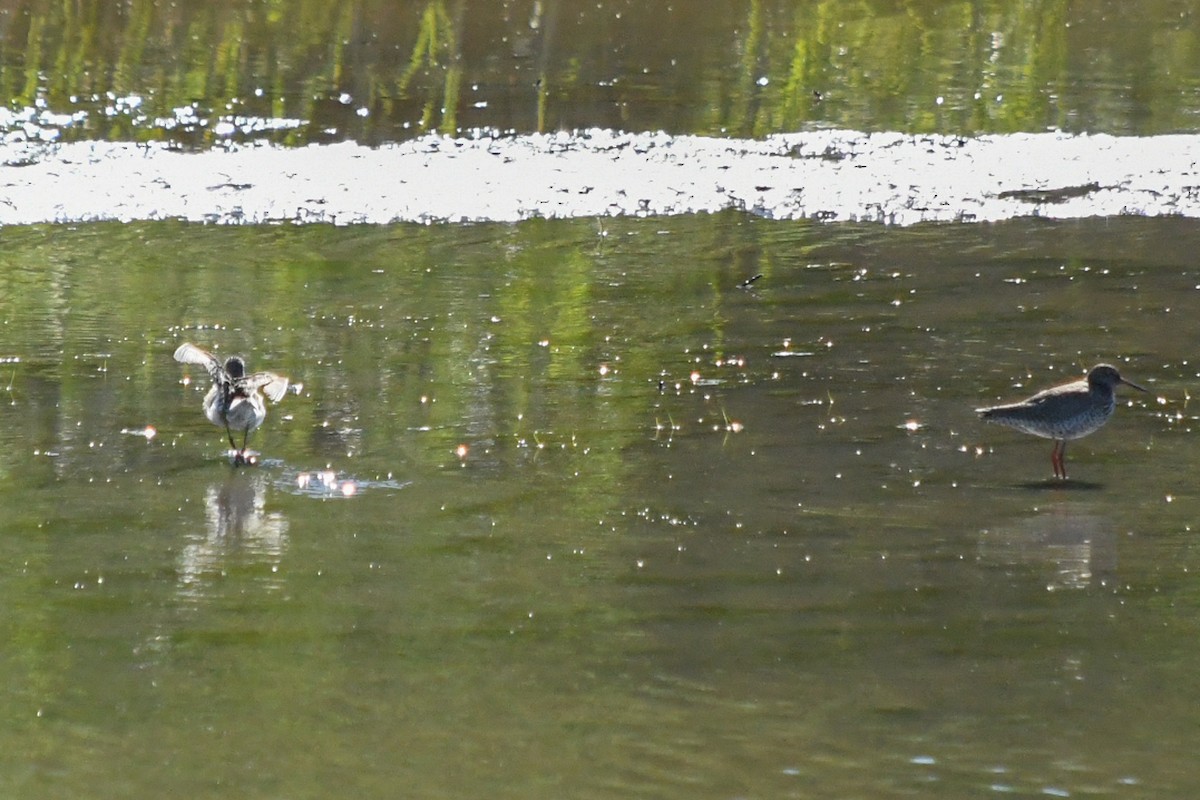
x=376 y=71
x=563 y=509
x=650 y=469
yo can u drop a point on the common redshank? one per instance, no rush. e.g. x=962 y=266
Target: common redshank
x=234 y=401
x=1069 y=411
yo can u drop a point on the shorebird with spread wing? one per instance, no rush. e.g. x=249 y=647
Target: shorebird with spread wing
x=235 y=401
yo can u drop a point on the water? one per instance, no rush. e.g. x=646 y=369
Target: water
x=617 y=525
x=658 y=505
x=196 y=74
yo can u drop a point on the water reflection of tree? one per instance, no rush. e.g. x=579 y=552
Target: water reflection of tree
x=378 y=71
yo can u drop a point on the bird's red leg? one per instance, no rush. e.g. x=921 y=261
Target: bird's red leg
x=1059 y=459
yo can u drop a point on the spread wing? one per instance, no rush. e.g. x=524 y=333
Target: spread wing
x=188 y=353
x=273 y=386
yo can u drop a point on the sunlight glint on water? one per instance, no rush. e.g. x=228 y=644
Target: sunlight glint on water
x=768 y=545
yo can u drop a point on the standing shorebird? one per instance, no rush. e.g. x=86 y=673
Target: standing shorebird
x=1069 y=411
x=234 y=401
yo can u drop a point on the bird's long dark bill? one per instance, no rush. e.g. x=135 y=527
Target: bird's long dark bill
x=1133 y=385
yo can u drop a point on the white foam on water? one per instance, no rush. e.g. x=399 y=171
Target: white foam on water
x=832 y=175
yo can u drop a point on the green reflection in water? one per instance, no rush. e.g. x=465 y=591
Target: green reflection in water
x=376 y=71
x=465 y=334
x=587 y=605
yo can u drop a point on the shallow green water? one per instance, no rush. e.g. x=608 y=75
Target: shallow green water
x=703 y=541
x=562 y=509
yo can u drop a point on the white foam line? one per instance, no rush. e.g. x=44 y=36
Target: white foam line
x=835 y=175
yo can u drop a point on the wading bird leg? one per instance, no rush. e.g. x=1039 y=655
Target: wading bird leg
x=238 y=455
x=1059 y=458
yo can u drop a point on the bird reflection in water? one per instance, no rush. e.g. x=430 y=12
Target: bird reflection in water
x=1082 y=547
x=238 y=529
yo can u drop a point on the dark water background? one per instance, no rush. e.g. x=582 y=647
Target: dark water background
x=382 y=71
x=562 y=509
